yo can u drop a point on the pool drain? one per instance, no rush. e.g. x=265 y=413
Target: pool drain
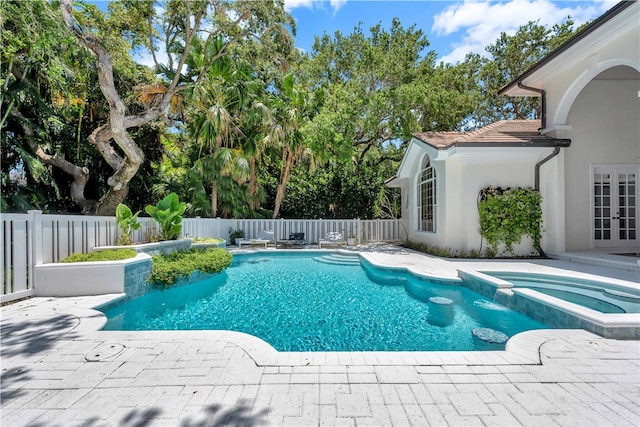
x=103 y=352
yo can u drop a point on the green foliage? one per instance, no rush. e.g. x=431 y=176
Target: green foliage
x=168 y=269
x=106 y=255
x=42 y=85
x=235 y=234
x=168 y=214
x=128 y=223
x=342 y=190
x=507 y=215
x=381 y=87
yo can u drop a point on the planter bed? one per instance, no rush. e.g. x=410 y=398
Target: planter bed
x=164 y=247
x=91 y=278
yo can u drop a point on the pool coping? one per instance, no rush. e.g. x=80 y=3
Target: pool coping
x=521 y=349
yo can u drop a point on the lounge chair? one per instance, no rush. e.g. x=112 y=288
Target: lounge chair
x=264 y=238
x=335 y=238
x=294 y=240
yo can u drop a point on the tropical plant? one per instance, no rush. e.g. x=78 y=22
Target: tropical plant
x=235 y=234
x=128 y=223
x=293 y=109
x=168 y=214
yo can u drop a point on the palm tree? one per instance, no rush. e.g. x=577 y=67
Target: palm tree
x=257 y=118
x=216 y=108
x=293 y=110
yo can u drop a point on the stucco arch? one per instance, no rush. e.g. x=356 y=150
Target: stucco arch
x=573 y=90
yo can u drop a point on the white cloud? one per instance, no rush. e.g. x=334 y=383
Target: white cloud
x=481 y=22
x=335 y=5
x=292 y=4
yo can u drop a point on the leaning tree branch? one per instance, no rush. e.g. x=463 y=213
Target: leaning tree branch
x=80 y=174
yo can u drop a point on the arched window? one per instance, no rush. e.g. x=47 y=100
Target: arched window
x=427 y=197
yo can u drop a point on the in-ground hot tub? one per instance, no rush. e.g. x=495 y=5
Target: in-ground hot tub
x=608 y=308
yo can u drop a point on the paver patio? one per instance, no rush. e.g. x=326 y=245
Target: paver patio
x=59 y=369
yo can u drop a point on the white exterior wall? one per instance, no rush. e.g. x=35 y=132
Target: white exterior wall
x=552 y=189
x=460 y=179
x=477 y=169
x=589 y=112
x=601 y=117
x=605 y=128
x=565 y=85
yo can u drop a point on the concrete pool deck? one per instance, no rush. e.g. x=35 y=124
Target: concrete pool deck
x=60 y=369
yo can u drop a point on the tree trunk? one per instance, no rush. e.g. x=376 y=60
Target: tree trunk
x=80 y=174
x=125 y=167
x=282 y=186
x=253 y=203
x=214 y=199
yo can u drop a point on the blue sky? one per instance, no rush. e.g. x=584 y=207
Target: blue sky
x=454 y=28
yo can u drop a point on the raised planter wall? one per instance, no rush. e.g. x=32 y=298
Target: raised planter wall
x=222 y=245
x=164 y=247
x=91 y=278
x=108 y=277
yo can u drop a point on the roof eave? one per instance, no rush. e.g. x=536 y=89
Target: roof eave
x=551 y=142
x=437 y=147
x=547 y=142
x=597 y=23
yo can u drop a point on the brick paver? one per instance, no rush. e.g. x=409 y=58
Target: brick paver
x=59 y=369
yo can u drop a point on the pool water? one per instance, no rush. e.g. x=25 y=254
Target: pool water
x=296 y=303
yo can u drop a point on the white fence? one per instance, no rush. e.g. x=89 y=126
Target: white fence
x=33 y=238
x=377 y=230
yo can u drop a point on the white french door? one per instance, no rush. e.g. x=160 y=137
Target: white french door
x=615 y=206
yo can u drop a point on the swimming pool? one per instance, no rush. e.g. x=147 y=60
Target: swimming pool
x=295 y=302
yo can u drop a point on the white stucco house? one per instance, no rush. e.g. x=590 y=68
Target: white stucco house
x=583 y=156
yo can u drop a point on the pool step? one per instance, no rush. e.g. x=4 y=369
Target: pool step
x=339 y=259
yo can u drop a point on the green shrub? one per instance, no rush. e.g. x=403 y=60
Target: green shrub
x=167 y=269
x=106 y=255
x=506 y=215
x=168 y=214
